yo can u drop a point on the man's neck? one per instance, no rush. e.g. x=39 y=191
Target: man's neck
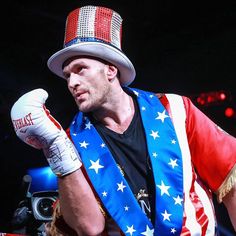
x=118 y=113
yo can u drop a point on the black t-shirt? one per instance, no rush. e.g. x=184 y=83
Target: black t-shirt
x=130 y=153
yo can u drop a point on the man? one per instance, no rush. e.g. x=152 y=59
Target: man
x=140 y=163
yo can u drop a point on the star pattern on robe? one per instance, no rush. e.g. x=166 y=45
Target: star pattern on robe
x=178 y=200
x=130 y=230
x=103 y=145
x=84 y=144
x=166 y=216
x=95 y=166
x=154 y=154
x=154 y=134
x=104 y=193
x=161 y=116
x=173 y=163
x=173 y=141
x=121 y=186
x=148 y=232
x=164 y=188
x=88 y=125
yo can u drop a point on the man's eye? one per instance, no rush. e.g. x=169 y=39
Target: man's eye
x=79 y=69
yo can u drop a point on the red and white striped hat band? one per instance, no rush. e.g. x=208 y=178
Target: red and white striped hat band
x=94 y=31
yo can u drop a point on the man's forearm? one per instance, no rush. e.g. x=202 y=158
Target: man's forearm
x=79 y=206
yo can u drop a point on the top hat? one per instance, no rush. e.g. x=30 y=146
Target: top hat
x=94 y=31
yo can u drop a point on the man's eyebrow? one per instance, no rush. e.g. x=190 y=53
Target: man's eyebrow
x=79 y=63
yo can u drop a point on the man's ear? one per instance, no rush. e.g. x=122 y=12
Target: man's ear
x=112 y=72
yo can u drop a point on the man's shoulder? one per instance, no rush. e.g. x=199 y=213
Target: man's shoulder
x=169 y=95
x=160 y=95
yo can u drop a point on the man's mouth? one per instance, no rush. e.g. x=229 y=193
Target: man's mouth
x=79 y=95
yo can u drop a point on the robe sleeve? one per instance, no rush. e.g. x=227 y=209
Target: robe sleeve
x=212 y=149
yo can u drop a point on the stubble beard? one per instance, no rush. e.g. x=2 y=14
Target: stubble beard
x=94 y=102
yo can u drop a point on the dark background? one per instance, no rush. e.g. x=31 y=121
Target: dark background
x=183 y=47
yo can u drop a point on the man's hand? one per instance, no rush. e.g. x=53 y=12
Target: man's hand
x=35 y=126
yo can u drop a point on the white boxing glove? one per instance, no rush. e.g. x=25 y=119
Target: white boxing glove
x=35 y=126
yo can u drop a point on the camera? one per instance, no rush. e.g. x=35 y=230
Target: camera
x=34 y=210
x=42 y=204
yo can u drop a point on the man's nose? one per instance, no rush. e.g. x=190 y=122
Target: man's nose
x=73 y=80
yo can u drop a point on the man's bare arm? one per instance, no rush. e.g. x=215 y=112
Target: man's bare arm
x=230 y=202
x=79 y=206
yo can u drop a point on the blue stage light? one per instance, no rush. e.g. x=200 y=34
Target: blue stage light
x=43 y=179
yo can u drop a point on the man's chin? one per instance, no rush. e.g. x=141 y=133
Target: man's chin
x=84 y=108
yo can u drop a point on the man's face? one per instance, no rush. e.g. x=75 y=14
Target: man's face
x=88 y=82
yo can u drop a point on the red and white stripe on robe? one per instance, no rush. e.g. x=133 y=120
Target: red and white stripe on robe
x=208 y=157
